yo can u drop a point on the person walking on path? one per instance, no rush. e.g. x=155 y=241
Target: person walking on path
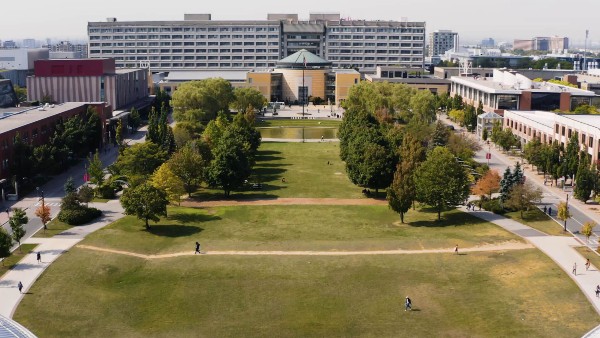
x=549 y=211
x=197 y=248
x=20 y=286
x=407 y=304
x=597 y=291
x=587 y=264
x=456 y=249
x=575 y=269
x=545 y=210
x=39 y=257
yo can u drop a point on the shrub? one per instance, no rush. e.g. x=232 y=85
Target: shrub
x=78 y=216
x=493 y=206
x=106 y=191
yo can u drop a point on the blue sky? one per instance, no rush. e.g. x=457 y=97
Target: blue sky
x=502 y=20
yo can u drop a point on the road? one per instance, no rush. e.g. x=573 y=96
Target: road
x=54 y=190
x=499 y=161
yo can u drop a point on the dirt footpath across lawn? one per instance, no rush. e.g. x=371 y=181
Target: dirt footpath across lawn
x=286 y=201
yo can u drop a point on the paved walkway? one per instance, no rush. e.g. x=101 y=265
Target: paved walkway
x=28 y=270
x=559 y=248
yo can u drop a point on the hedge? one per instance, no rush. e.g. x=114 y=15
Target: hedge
x=79 y=215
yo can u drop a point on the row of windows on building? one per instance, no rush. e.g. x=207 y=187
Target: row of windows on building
x=184 y=51
x=196 y=57
x=558 y=130
x=183 y=37
x=158 y=44
x=370 y=58
x=375 y=37
x=199 y=65
x=181 y=29
x=376 y=30
x=378 y=51
x=373 y=44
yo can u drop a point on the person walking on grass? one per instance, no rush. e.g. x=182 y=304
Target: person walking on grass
x=407 y=304
x=197 y=248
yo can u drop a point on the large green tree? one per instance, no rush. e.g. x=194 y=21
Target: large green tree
x=248 y=99
x=190 y=164
x=141 y=159
x=231 y=164
x=145 y=202
x=202 y=98
x=441 y=181
x=402 y=192
x=422 y=104
x=96 y=170
x=570 y=161
x=585 y=180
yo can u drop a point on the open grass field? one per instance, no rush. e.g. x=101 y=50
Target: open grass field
x=9 y=262
x=298 y=227
x=536 y=219
x=305 y=169
x=499 y=294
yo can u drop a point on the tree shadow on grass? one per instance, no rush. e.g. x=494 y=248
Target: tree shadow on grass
x=174 y=230
x=194 y=218
x=449 y=218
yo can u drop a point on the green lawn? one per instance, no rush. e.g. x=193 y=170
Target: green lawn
x=54 y=227
x=297 y=123
x=511 y=294
x=588 y=253
x=536 y=219
x=298 y=228
x=305 y=169
x=9 y=262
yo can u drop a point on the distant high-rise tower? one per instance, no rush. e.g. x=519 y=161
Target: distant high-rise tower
x=442 y=41
x=489 y=42
x=28 y=43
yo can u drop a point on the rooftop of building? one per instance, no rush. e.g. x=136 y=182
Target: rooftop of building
x=14 y=118
x=197 y=75
x=303 y=59
x=537 y=117
x=9 y=329
x=507 y=82
x=591 y=120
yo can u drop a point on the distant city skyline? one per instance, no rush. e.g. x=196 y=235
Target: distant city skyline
x=473 y=20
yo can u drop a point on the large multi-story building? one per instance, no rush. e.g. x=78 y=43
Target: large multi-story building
x=549 y=127
x=554 y=43
x=198 y=42
x=442 y=41
x=36 y=125
x=87 y=80
x=507 y=90
x=79 y=50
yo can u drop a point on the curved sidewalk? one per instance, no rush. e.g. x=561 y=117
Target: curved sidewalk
x=560 y=249
x=28 y=270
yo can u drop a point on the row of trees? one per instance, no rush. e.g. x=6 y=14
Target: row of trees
x=466 y=116
x=389 y=140
x=196 y=103
x=568 y=163
x=207 y=146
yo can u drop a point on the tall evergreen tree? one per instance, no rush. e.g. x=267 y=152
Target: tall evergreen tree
x=506 y=184
x=584 y=180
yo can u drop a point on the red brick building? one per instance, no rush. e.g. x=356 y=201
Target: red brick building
x=36 y=125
